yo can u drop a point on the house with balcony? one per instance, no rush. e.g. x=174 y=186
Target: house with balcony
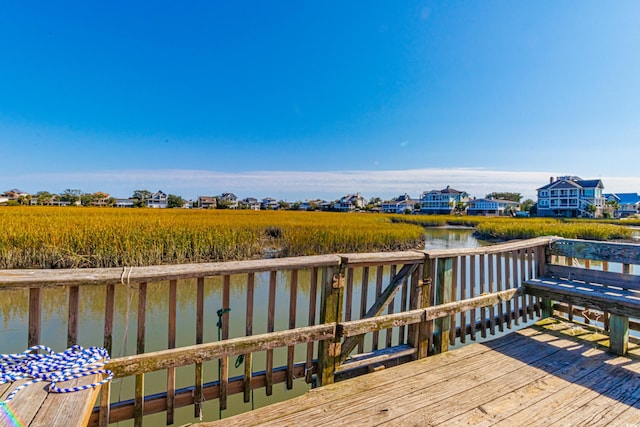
x=229 y=199
x=250 y=203
x=158 y=200
x=269 y=203
x=443 y=202
x=571 y=197
x=350 y=203
x=492 y=207
x=400 y=205
x=207 y=202
x=627 y=204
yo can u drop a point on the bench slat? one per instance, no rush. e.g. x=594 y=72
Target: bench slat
x=617 y=301
x=608 y=278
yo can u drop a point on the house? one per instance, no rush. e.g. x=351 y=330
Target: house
x=207 y=202
x=158 y=200
x=492 y=207
x=15 y=194
x=571 y=197
x=401 y=204
x=269 y=204
x=250 y=203
x=230 y=200
x=3 y=199
x=443 y=202
x=350 y=202
x=125 y=203
x=628 y=204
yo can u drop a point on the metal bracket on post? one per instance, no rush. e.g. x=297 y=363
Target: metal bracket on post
x=338 y=281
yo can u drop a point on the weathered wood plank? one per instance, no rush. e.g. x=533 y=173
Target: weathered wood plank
x=493 y=249
x=625 y=253
x=155 y=361
x=109 y=310
x=609 y=278
x=171 y=343
x=586 y=295
x=271 y=312
x=35 y=314
x=96 y=276
x=293 y=295
x=72 y=318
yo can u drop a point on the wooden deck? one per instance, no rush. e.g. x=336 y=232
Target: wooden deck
x=35 y=406
x=556 y=374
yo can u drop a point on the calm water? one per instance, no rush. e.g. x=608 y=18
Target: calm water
x=14 y=318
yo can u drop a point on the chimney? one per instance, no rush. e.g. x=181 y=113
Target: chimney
x=550 y=180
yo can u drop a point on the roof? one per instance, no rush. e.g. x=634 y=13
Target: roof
x=569 y=182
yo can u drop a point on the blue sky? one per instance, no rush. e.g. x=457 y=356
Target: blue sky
x=300 y=100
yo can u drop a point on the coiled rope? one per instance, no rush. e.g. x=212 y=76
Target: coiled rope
x=74 y=362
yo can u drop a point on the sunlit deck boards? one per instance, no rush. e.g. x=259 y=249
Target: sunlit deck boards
x=35 y=406
x=531 y=377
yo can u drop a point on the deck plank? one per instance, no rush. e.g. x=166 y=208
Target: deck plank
x=534 y=376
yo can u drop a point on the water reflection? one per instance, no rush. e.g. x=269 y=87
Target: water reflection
x=452 y=237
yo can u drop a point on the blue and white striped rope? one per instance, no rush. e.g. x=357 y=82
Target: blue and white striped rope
x=74 y=362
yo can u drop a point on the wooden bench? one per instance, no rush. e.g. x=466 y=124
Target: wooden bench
x=613 y=292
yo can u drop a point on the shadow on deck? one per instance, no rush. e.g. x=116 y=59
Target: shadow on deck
x=554 y=372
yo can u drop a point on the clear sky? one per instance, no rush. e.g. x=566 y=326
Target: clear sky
x=317 y=99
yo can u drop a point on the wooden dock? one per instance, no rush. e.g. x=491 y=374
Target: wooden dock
x=34 y=406
x=558 y=374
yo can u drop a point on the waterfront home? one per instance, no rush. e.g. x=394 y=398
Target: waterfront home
x=250 y=203
x=571 y=197
x=269 y=203
x=125 y=203
x=442 y=202
x=401 y=204
x=158 y=200
x=492 y=207
x=230 y=200
x=207 y=202
x=350 y=202
x=628 y=204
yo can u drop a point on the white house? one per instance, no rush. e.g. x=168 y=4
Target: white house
x=250 y=203
x=572 y=197
x=401 y=204
x=442 y=202
x=230 y=199
x=125 y=203
x=350 y=202
x=492 y=207
x=158 y=200
x=269 y=204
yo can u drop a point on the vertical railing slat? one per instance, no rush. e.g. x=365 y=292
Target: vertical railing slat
x=105 y=404
x=508 y=283
x=364 y=288
x=271 y=328
x=404 y=300
x=313 y=290
x=379 y=279
x=390 y=309
x=248 y=358
x=500 y=287
x=139 y=401
x=492 y=288
x=142 y=315
x=72 y=319
x=443 y=295
x=35 y=315
x=109 y=311
x=472 y=293
x=292 y=325
x=483 y=289
x=197 y=392
x=224 y=382
x=463 y=295
x=171 y=343
x=453 y=298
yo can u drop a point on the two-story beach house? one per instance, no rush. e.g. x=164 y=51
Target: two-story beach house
x=350 y=202
x=230 y=199
x=492 y=207
x=158 y=200
x=443 y=202
x=207 y=202
x=401 y=204
x=250 y=203
x=571 y=197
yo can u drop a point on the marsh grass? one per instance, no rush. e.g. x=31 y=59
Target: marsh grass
x=50 y=237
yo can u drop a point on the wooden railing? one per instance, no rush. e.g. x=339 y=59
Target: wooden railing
x=340 y=316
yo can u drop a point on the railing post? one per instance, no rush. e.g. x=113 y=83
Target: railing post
x=330 y=312
x=416 y=292
x=444 y=289
x=618 y=334
x=546 y=304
